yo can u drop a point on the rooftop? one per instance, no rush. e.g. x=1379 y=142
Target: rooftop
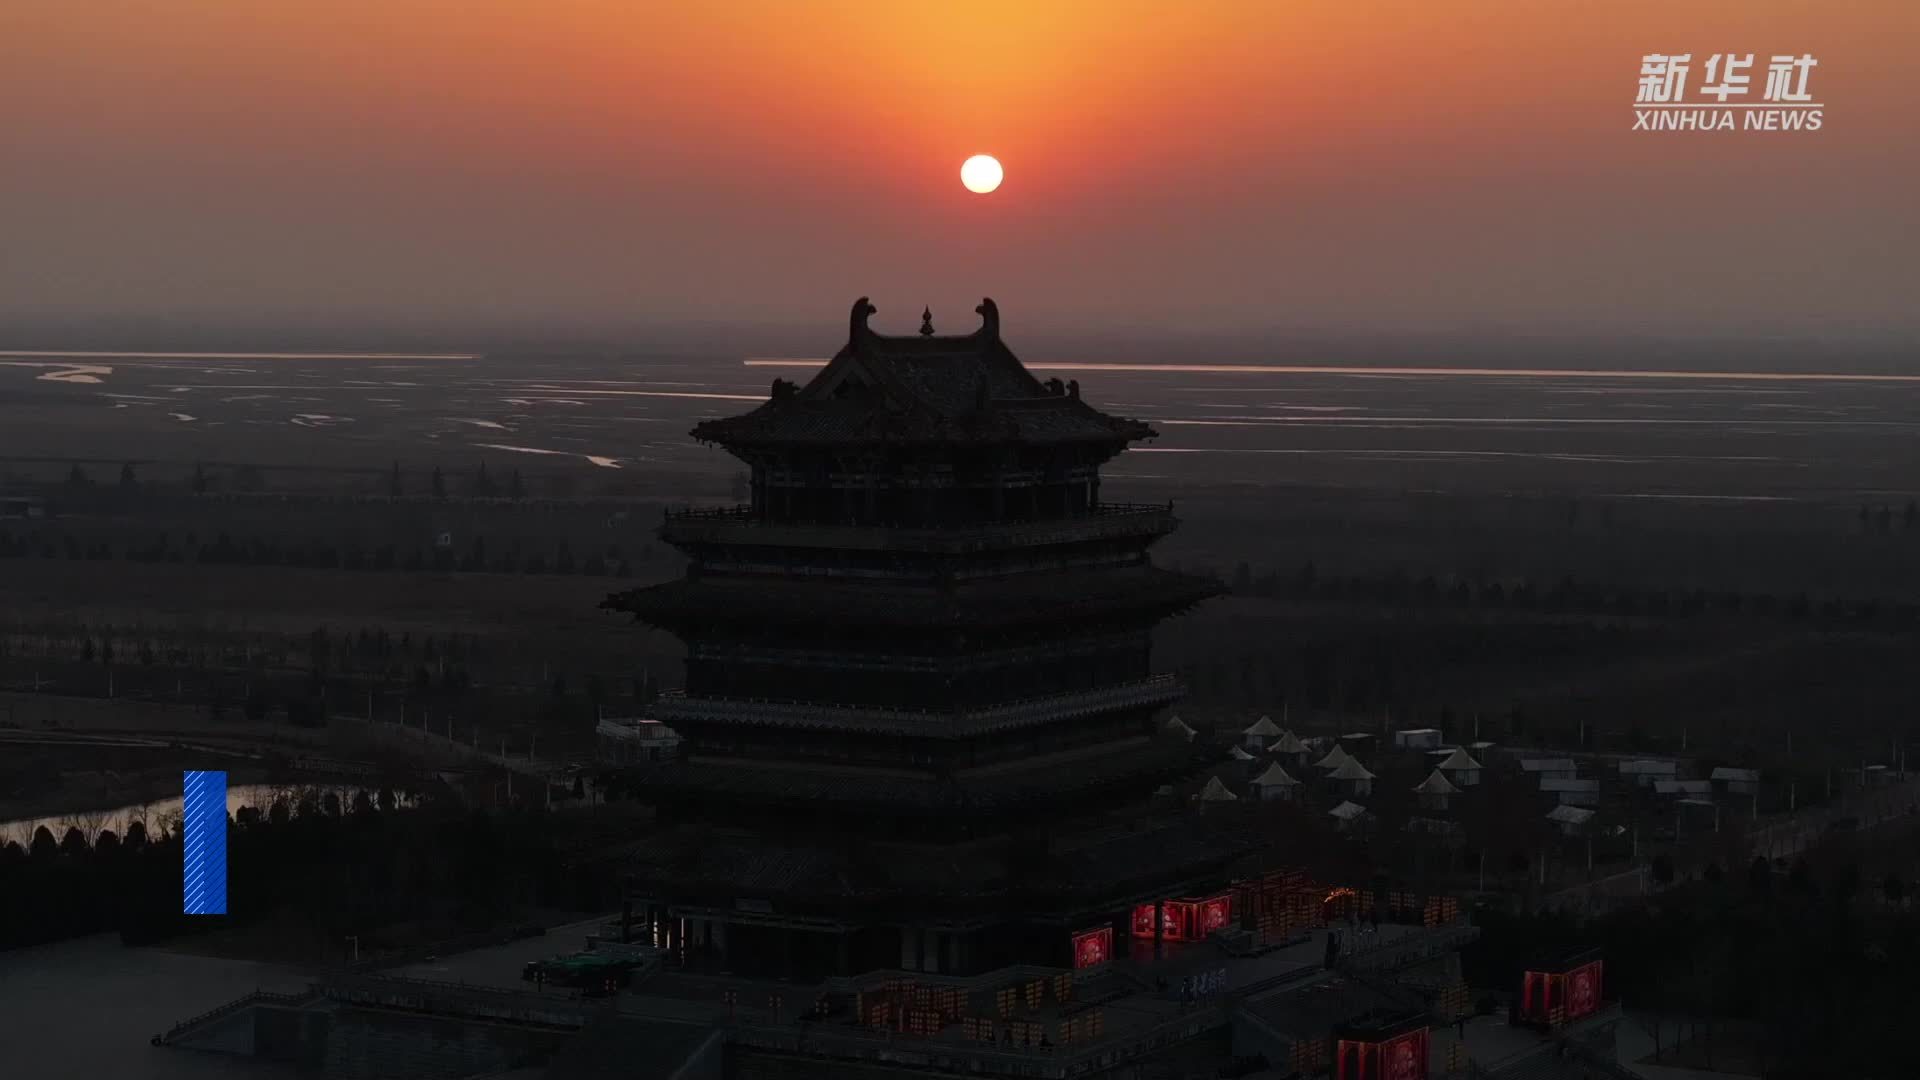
x=924 y=389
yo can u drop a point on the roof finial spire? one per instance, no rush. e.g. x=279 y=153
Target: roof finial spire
x=926 y=322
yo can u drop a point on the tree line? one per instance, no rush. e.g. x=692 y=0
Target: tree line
x=225 y=550
x=1818 y=959
x=1567 y=596
x=331 y=873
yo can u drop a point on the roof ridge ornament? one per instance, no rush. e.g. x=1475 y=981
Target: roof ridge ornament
x=989 y=313
x=857 y=322
x=926 y=322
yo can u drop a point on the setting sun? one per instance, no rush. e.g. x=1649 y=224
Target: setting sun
x=981 y=173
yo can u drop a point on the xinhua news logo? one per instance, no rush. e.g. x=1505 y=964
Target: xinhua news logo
x=1662 y=102
x=204 y=816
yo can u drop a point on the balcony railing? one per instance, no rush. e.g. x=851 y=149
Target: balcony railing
x=742 y=524
x=675 y=705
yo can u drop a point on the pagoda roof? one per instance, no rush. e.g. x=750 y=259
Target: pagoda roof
x=1238 y=754
x=1460 y=760
x=1003 y=601
x=761 y=781
x=926 y=389
x=1348 y=811
x=1436 y=783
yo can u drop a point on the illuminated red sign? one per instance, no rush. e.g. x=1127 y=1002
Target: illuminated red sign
x=1185 y=920
x=1091 y=948
x=1583 y=990
x=1574 y=993
x=1402 y=1057
x=1215 y=914
x=1143 y=921
x=1405 y=1057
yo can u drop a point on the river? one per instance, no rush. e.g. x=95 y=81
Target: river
x=90 y=1006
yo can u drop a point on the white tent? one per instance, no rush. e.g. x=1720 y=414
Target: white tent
x=1435 y=790
x=1289 y=744
x=1461 y=768
x=1348 y=814
x=1275 y=783
x=1353 y=777
x=1259 y=732
x=1350 y=769
x=1335 y=758
x=1215 y=791
x=1569 y=818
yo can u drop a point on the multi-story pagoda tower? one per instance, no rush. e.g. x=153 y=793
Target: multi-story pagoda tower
x=919 y=700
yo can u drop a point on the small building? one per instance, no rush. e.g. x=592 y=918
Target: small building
x=1694 y=815
x=22 y=508
x=631 y=740
x=1425 y=738
x=1559 y=988
x=1694 y=789
x=1260 y=733
x=1571 y=820
x=1461 y=768
x=1557 y=768
x=1352 y=779
x=1436 y=791
x=1642 y=772
x=1572 y=792
x=1736 y=781
x=1275 y=784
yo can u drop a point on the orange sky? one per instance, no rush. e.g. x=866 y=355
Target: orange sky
x=1280 y=163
